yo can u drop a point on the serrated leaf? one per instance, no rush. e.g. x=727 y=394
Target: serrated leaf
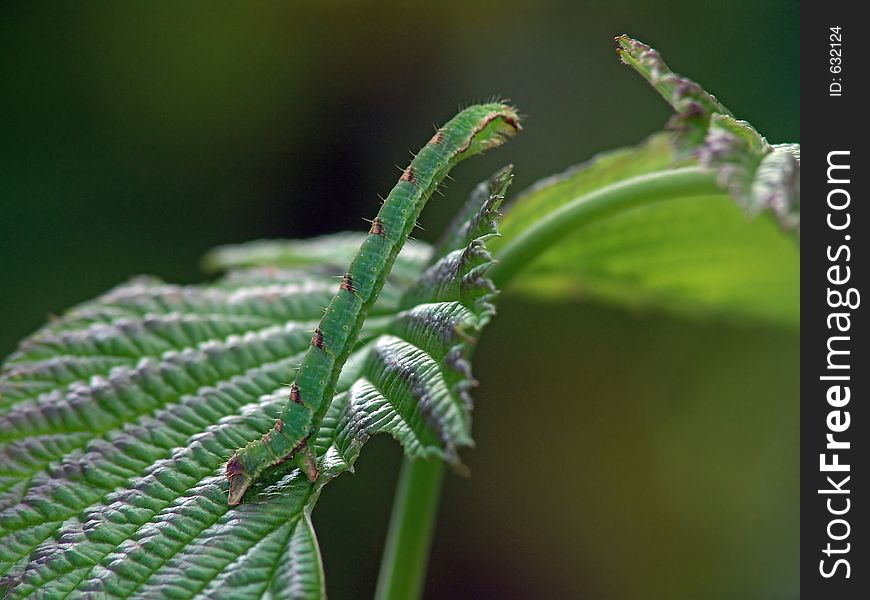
x=118 y=418
x=760 y=176
x=331 y=252
x=693 y=105
x=653 y=226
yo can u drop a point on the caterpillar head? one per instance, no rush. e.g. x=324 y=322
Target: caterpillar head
x=491 y=124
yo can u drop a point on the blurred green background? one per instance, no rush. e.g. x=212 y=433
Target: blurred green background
x=627 y=455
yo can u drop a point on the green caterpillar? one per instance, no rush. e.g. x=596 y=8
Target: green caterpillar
x=472 y=131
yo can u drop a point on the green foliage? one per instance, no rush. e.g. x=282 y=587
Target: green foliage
x=604 y=231
x=117 y=419
x=656 y=225
x=760 y=176
x=474 y=130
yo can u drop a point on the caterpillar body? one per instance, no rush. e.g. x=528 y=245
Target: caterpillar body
x=472 y=131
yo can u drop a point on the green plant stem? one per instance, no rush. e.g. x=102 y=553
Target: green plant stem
x=403 y=567
x=521 y=251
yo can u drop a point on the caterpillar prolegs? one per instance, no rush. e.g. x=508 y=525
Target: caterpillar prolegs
x=472 y=131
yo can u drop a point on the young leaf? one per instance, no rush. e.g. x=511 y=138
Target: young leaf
x=693 y=105
x=654 y=225
x=759 y=176
x=638 y=228
x=119 y=417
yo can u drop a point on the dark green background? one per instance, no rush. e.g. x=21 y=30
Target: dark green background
x=619 y=455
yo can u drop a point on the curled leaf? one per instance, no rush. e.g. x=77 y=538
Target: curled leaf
x=759 y=176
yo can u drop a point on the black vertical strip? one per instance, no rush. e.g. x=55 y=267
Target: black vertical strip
x=835 y=561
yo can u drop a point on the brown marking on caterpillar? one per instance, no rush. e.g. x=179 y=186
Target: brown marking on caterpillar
x=508 y=119
x=309 y=463
x=408 y=175
x=512 y=121
x=279 y=425
x=438 y=138
x=301 y=446
x=295 y=396
x=377 y=227
x=347 y=283
x=234 y=467
x=317 y=338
